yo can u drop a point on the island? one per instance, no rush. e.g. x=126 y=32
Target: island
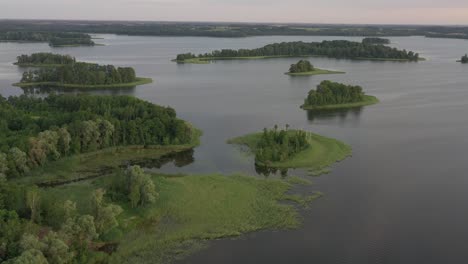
x=65 y=72
x=55 y=39
x=70 y=189
x=380 y=41
x=464 y=59
x=286 y=148
x=305 y=68
x=333 y=95
x=340 y=49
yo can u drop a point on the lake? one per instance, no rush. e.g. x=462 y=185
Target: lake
x=402 y=196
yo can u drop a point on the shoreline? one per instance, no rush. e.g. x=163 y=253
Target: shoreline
x=369 y=100
x=139 y=81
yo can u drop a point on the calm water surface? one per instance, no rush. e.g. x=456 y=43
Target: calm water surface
x=401 y=198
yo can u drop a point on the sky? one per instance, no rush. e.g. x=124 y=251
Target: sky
x=454 y=12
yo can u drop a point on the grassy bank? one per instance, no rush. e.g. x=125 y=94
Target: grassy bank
x=316 y=71
x=321 y=153
x=139 y=81
x=368 y=100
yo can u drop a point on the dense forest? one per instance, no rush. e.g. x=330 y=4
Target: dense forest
x=334 y=49
x=331 y=93
x=81 y=73
x=55 y=39
x=279 y=145
x=37 y=130
x=375 y=41
x=464 y=59
x=44 y=58
x=301 y=66
x=230 y=29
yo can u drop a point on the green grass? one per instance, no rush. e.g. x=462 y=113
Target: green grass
x=191 y=210
x=139 y=81
x=368 y=100
x=316 y=71
x=322 y=152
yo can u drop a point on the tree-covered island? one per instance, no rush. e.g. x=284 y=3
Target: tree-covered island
x=64 y=71
x=333 y=95
x=381 y=41
x=55 y=39
x=286 y=148
x=341 y=49
x=304 y=68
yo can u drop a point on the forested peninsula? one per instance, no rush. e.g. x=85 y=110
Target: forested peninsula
x=305 y=68
x=381 y=41
x=55 y=39
x=464 y=59
x=286 y=148
x=333 y=95
x=341 y=49
x=71 y=193
x=65 y=71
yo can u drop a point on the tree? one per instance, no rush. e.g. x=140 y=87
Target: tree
x=56 y=250
x=32 y=256
x=464 y=59
x=141 y=188
x=3 y=165
x=17 y=162
x=104 y=214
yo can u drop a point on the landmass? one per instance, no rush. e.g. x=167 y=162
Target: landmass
x=332 y=95
x=305 y=68
x=55 y=39
x=341 y=49
x=380 y=41
x=64 y=71
x=293 y=149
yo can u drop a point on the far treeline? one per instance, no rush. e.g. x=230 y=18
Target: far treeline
x=64 y=70
x=55 y=39
x=375 y=41
x=334 y=49
x=34 y=130
x=335 y=95
x=148 y=28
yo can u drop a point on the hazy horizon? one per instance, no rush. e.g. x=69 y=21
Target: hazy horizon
x=449 y=12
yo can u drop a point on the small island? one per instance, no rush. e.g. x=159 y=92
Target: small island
x=379 y=41
x=285 y=148
x=340 y=49
x=63 y=71
x=333 y=95
x=55 y=39
x=305 y=68
x=464 y=59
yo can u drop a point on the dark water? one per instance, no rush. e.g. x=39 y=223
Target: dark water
x=401 y=198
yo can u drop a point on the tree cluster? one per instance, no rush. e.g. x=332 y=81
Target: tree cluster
x=381 y=41
x=54 y=38
x=45 y=58
x=301 y=66
x=330 y=93
x=464 y=59
x=333 y=49
x=36 y=130
x=279 y=145
x=81 y=73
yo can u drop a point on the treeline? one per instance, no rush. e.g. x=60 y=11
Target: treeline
x=81 y=73
x=333 y=49
x=301 y=66
x=464 y=59
x=34 y=130
x=55 y=39
x=44 y=58
x=376 y=41
x=279 y=145
x=330 y=93
x=37 y=226
x=230 y=29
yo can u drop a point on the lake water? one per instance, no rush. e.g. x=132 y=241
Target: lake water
x=401 y=198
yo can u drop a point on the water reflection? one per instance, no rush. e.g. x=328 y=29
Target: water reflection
x=179 y=159
x=269 y=171
x=343 y=115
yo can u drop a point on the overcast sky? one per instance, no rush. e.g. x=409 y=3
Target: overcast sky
x=308 y=11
